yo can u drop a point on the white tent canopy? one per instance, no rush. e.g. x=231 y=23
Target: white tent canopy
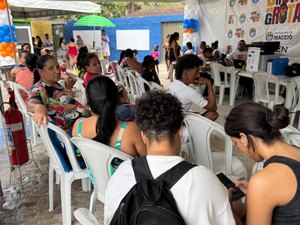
x=33 y=8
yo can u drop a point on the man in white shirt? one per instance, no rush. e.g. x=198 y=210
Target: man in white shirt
x=201 y=199
x=186 y=73
x=239 y=54
x=47 y=42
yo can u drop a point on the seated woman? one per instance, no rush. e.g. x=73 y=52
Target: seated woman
x=130 y=62
x=92 y=67
x=103 y=126
x=26 y=77
x=149 y=72
x=49 y=98
x=273 y=194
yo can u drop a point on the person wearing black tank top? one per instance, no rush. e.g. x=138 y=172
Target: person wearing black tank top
x=273 y=194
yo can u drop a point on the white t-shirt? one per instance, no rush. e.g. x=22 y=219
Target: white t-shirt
x=201 y=56
x=240 y=55
x=186 y=95
x=105 y=45
x=201 y=199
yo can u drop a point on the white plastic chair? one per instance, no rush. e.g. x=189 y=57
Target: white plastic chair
x=85 y=217
x=23 y=108
x=122 y=77
x=151 y=85
x=135 y=91
x=295 y=101
x=200 y=131
x=66 y=178
x=264 y=92
x=82 y=90
x=216 y=68
x=105 y=68
x=291 y=135
x=98 y=157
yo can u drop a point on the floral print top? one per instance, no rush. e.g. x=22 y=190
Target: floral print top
x=62 y=108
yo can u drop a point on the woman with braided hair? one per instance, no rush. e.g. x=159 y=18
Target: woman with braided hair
x=273 y=194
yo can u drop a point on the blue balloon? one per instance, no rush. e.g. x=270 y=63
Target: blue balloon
x=2 y=33
x=7 y=38
x=5 y=28
x=183 y=48
x=15 y=39
x=13 y=28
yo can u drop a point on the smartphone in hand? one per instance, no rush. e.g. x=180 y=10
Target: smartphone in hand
x=229 y=184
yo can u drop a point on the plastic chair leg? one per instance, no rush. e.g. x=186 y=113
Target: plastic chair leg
x=86 y=184
x=93 y=200
x=221 y=94
x=66 y=207
x=51 y=178
x=33 y=132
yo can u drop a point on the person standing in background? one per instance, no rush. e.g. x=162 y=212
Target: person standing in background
x=72 y=52
x=39 y=45
x=79 y=41
x=105 y=45
x=48 y=42
x=155 y=55
x=165 y=47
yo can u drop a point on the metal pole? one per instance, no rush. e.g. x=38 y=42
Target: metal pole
x=10 y=31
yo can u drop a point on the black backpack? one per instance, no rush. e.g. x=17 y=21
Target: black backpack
x=150 y=201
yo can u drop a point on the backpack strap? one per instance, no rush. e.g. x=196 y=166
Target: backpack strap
x=174 y=174
x=141 y=168
x=142 y=171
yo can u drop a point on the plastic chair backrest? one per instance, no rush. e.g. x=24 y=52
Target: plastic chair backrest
x=82 y=90
x=263 y=86
x=133 y=83
x=200 y=130
x=57 y=158
x=17 y=88
x=98 y=157
x=104 y=66
x=122 y=77
x=291 y=135
x=216 y=68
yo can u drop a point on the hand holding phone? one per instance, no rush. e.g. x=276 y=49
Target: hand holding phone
x=237 y=193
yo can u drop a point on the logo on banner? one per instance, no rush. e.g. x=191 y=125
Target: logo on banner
x=255 y=1
x=239 y=33
x=255 y=16
x=230 y=19
x=232 y=3
x=243 y=2
x=269 y=36
x=242 y=18
x=230 y=34
x=280 y=12
x=252 y=32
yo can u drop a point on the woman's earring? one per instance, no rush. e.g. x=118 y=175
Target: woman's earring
x=246 y=145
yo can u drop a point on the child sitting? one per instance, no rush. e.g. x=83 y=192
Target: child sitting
x=92 y=67
x=148 y=72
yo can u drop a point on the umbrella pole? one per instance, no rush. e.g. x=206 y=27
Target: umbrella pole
x=94 y=42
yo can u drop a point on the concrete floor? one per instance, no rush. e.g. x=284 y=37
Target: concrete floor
x=29 y=205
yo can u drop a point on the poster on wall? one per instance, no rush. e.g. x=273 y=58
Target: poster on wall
x=264 y=20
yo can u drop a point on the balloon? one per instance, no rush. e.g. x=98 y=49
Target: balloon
x=2 y=5
x=185 y=30
x=5 y=28
x=183 y=48
x=191 y=30
x=15 y=39
x=13 y=28
x=1 y=33
x=7 y=38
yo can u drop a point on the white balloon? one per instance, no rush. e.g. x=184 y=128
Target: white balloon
x=61 y=34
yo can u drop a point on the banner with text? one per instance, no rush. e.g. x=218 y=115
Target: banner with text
x=264 y=20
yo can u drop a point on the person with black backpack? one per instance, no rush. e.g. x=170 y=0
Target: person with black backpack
x=161 y=188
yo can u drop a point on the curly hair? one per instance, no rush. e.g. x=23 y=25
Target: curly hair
x=159 y=115
x=256 y=120
x=189 y=61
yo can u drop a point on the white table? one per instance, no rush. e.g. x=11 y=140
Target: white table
x=235 y=75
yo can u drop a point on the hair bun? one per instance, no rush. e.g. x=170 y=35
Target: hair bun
x=278 y=118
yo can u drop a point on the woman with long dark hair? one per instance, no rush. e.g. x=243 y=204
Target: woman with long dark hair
x=273 y=194
x=174 y=52
x=103 y=126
